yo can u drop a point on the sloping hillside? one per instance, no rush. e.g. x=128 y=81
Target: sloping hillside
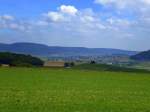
x=143 y=56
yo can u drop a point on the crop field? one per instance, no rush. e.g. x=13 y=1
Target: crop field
x=68 y=90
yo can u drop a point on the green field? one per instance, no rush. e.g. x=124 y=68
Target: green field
x=67 y=90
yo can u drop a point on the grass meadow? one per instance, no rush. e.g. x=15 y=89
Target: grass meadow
x=68 y=90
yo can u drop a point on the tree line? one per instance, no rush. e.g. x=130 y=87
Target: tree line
x=14 y=59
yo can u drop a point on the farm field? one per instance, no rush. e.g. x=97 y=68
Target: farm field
x=68 y=90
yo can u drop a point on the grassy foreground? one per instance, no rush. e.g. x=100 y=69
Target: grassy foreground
x=60 y=90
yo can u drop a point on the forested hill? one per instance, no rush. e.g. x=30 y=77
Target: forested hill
x=143 y=56
x=19 y=59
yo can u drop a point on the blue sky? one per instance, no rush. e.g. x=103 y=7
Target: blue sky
x=121 y=24
x=31 y=8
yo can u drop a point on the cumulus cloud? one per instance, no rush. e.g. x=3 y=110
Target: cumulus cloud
x=63 y=13
x=55 y=16
x=7 y=17
x=134 y=5
x=128 y=12
x=71 y=10
x=146 y=1
x=117 y=3
x=10 y=22
x=70 y=18
x=119 y=22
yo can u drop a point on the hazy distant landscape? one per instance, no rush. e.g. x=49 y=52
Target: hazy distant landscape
x=49 y=51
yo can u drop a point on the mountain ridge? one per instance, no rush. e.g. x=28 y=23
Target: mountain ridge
x=46 y=51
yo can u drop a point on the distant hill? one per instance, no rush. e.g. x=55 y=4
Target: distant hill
x=47 y=51
x=143 y=56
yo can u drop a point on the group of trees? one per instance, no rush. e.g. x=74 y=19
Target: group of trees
x=71 y=64
x=19 y=59
x=92 y=62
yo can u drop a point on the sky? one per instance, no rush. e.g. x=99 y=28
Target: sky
x=121 y=24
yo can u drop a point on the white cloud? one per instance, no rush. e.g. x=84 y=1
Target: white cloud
x=146 y=1
x=10 y=22
x=72 y=19
x=127 y=12
x=42 y=23
x=63 y=14
x=71 y=10
x=119 y=22
x=117 y=3
x=16 y=26
x=124 y=4
x=87 y=18
x=7 y=17
x=55 y=16
x=105 y=2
